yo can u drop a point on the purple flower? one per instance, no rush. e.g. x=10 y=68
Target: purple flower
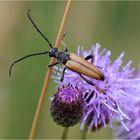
x=109 y=100
x=67 y=108
x=133 y=124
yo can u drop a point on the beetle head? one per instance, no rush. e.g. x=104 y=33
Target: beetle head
x=53 y=52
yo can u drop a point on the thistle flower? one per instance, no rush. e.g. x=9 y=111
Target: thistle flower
x=108 y=100
x=133 y=124
x=67 y=108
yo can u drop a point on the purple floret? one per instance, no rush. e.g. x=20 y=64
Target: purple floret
x=133 y=124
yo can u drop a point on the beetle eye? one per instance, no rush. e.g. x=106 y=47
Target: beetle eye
x=53 y=52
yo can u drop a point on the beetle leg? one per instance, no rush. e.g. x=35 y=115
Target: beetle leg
x=85 y=79
x=53 y=64
x=63 y=73
x=64 y=35
x=62 y=39
x=66 y=50
x=92 y=58
x=89 y=82
x=89 y=57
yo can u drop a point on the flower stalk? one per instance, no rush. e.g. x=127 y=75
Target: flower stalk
x=83 y=134
x=65 y=133
x=48 y=75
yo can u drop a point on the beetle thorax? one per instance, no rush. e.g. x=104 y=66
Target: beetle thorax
x=63 y=57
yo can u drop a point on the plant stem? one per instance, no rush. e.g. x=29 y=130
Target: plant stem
x=83 y=135
x=48 y=74
x=65 y=132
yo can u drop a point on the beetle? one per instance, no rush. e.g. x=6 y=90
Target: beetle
x=71 y=61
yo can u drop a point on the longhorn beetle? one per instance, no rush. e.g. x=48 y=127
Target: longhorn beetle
x=70 y=60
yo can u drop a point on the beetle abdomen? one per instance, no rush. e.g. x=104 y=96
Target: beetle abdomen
x=80 y=65
x=77 y=67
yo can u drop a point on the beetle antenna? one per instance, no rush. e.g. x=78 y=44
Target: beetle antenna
x=30 y=55
x=50 y=45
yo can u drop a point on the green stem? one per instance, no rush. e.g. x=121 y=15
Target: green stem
x=83 y=135
x=65 y=132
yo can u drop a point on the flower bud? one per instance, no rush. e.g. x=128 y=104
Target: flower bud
x=67 y=108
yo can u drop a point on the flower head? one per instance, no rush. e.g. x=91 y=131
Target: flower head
x=67 y=108
x=108 y=100
x=133 y=124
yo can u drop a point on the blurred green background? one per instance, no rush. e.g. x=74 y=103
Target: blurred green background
x=115 y=25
